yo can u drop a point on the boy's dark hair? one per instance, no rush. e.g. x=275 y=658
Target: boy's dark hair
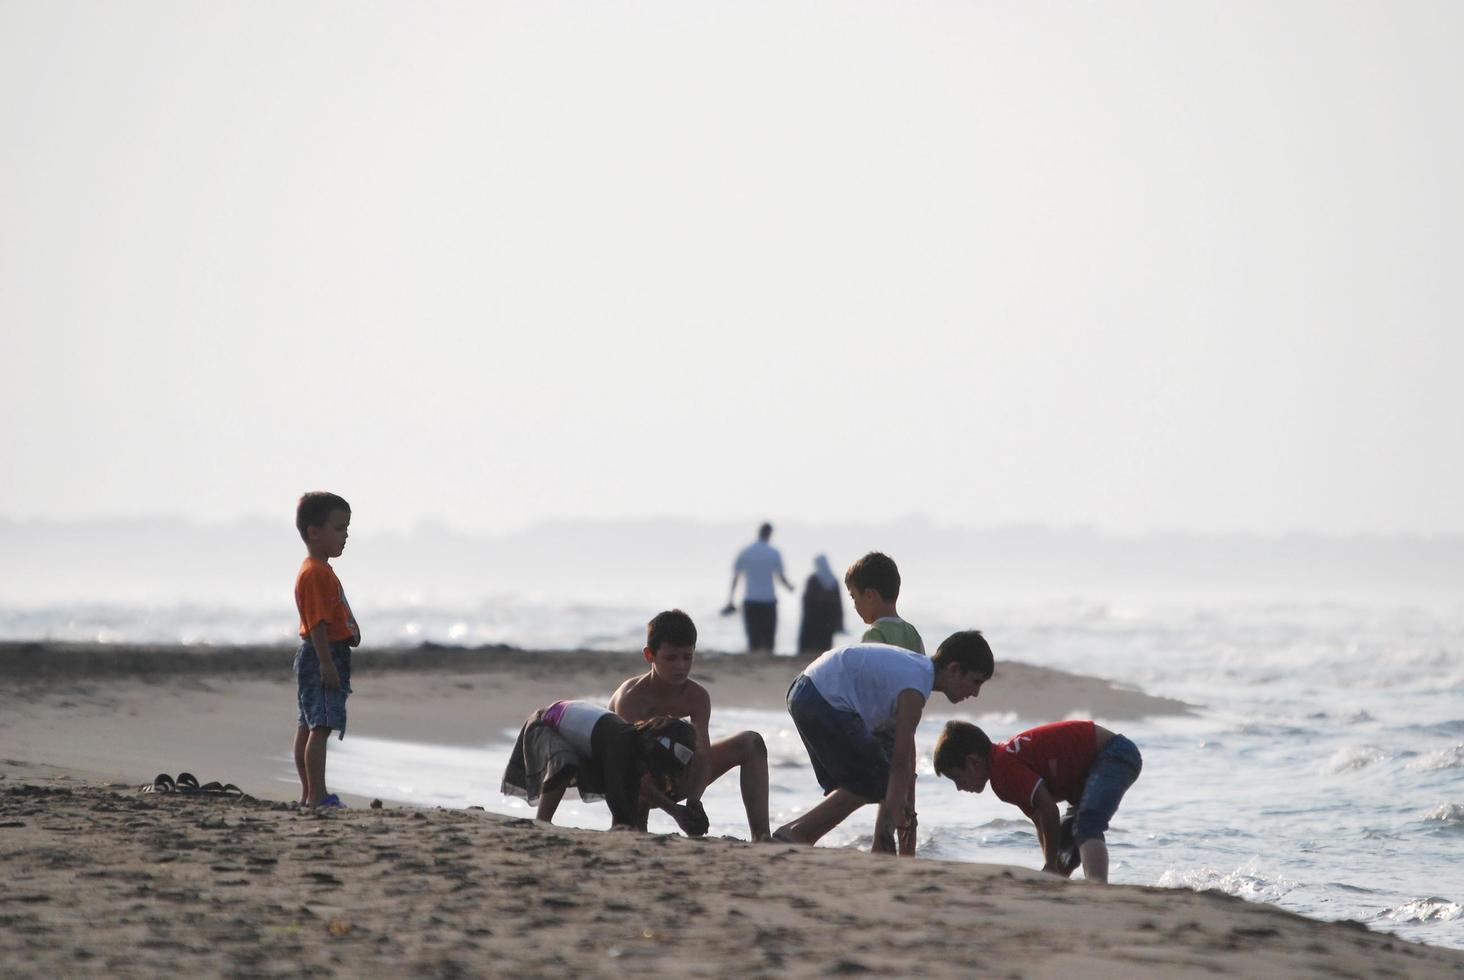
x=667 y=749
x=957 y=741
x=671 y=626
x=876 y=571
x=969 y=650
x=765 y=532
x=314 y=508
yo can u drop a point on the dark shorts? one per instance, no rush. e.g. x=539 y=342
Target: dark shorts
x=1114 y=771
x=761 y=622
x=320 y=708
x=845 y=753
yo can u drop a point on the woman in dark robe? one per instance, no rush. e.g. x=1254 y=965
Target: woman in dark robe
x=823 y=609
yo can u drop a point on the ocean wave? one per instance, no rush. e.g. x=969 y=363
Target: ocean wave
x=1423 y=910
x=1443 y=729
x=1354 y=757
x=1270 y=729
x=1450 y=758
x=1002 y=823
x=1446 y=815
x=1247 y=881
x=964 y=843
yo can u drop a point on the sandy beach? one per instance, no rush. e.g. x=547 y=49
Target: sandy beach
x=104 y=881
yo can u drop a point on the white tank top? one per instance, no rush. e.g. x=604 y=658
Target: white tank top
x=577 y=721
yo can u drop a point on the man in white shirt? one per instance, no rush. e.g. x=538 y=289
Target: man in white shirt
x=758 y=563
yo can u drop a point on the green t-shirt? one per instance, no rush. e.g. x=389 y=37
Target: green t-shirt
x=895 y=632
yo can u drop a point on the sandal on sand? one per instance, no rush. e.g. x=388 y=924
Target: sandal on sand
x=330 y=802
x=162 y=783
x=187 y=784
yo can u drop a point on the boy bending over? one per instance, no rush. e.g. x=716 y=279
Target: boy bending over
x=1078 y=762
x=667 y=689
x=576 y=743
x=856 y=709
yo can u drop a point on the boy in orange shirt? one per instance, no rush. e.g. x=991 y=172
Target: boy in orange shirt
x=328 y=631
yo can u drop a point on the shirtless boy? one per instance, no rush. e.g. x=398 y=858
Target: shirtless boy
x=667 y=689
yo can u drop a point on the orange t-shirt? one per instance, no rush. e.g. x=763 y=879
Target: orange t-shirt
x=320 y=599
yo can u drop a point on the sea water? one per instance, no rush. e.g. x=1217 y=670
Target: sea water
x=1322 y=769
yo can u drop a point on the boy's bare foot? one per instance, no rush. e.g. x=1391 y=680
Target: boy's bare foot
x=906 y=836
x=783 y=836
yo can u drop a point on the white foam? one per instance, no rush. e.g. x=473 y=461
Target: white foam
x=1450 y=758
x=1354 y=757
x=1246 y=881
x=1449 y=814
x=1425 y=910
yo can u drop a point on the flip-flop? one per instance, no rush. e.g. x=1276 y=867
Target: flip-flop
x=187 y=782
x=330 y=802
x=162 y=783
x=224 y=789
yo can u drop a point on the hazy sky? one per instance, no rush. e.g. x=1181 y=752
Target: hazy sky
x=1130 y=265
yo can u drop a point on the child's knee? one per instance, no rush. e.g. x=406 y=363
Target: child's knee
x=753 y=747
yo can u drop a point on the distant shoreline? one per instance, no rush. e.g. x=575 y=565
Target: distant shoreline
x=29 y=658
x=127 y=712
x=742 y=679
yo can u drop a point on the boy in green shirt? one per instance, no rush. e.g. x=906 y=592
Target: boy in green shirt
x=874 y=584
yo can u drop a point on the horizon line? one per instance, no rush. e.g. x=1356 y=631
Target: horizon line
x=431 y=525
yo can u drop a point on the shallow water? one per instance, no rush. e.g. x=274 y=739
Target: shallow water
x=1324 y=772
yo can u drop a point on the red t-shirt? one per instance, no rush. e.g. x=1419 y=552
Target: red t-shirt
x=1059 y=754
x=320 y=599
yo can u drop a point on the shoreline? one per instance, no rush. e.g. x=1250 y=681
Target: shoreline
x=104 y=880
x=124 y=713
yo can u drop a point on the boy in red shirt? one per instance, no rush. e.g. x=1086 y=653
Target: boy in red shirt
x=1078 y=762
x=328 y=631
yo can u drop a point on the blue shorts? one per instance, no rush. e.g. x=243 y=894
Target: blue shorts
x=1114 y=770
x=320 y=708
x=845 y=753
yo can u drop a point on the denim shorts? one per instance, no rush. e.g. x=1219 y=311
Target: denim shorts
x=845 y=753
x=1114 y=770
x=320 y=708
